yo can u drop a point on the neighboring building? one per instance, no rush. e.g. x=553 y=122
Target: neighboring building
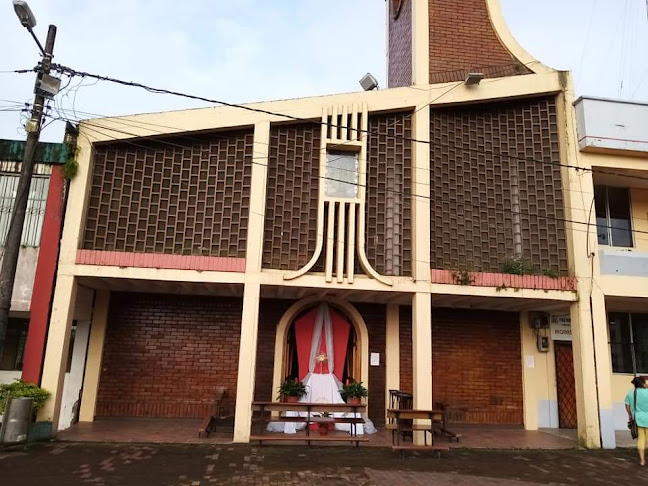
x=196 y=238
x=613 y=140
x=22 y=353
x=49 y=158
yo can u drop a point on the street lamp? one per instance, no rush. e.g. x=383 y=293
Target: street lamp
x=27 y=19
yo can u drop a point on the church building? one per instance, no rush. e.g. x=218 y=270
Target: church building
x=424 y=238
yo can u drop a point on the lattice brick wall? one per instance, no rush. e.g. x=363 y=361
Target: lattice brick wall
x=474 y=151
x=177 y=195
x=292 y=196
x=389 y=186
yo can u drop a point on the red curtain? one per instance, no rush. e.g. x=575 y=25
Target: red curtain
x=304 y=335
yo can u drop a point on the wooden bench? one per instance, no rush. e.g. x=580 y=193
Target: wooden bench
x=311 y=415
x=209 y=422
x=404 y=421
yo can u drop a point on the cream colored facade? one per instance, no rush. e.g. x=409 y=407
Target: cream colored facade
x=596 y=387
x=614 y=148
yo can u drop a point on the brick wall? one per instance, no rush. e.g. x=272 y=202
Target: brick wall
x=290 y=233
x=375 y=316
x=173 y=195
x=389 y=201
x=270 y=312
x=472 y=186
x=476 y=364
x=463 y=40
x=399 y=45
x=165 y=354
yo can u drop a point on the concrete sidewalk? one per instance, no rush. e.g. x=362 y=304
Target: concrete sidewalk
x=68 y=464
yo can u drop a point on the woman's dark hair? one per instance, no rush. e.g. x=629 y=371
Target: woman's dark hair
x=638 y=381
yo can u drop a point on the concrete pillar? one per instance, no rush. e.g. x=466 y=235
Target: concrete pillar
x=74 y=379
x=58 y=342
x=251 y=294
x=603 y=369
x=95 y=354
x=589 y=329
x=392 y=351
x=420 y=41
x=422 y=354
x=247 y=362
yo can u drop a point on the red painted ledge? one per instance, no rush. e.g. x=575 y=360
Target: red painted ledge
x=486 y=279
x=159 y=260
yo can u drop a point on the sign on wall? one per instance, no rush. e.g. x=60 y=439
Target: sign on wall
x=561 y=328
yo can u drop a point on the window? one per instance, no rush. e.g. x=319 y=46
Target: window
x=14 y=347
x=628 y=342
x=613 y=216
x=35 y=212
x=341 y=174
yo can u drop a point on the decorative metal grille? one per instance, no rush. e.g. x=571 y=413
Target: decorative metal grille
x=36 y=202
x=566 y=387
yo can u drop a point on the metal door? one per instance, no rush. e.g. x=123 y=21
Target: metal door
x=565 y=385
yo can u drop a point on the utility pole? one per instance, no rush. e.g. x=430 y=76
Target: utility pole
x=14 y=236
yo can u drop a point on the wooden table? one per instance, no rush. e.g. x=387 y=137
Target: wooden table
x=265 y=408
x=403 y=421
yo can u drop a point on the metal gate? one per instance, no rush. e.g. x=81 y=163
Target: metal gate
x=565 y=385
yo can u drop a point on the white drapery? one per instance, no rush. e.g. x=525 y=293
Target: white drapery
x=321 y=387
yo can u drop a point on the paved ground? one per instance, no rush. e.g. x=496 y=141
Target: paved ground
x=72 y=464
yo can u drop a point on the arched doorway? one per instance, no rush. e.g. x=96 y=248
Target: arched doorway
x=356 y=363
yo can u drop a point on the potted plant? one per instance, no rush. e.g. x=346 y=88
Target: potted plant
x=324 y=427
x=353 y=392
x=21 y=389
x=291 y=390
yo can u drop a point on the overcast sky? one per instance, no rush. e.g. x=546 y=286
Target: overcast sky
x=253 y=50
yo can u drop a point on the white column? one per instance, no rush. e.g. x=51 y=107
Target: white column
x=58 y=342
x=251 y=294
x=247 y=362
x=95 y=355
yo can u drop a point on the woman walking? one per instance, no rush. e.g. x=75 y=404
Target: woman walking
x=637 y=407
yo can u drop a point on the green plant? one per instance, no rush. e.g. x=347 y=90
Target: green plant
x=517 y=266
x=462 y=277
x=292 y=388
x=71 y=166
x=550 y=273
x=21 y=389
x=353 y=389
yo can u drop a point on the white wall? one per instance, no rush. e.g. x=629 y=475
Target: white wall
x=74 y=379
x=9 y=376
x=612 y=124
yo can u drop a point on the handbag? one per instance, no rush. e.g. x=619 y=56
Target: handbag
x=632 y=424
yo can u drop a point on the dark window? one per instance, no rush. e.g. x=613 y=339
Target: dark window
x=14 y=346
x=628 y=342
x=613 y=222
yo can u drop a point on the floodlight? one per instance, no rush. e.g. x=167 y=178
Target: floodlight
x=368 y=82
x=473 y=79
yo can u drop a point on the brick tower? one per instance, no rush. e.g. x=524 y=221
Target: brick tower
x=450 y=38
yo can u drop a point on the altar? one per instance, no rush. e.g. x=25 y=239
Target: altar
x=322 y=336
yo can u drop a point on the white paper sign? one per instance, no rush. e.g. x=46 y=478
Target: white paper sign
x=530 y=361
x=375 y=359
x=561 y=328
